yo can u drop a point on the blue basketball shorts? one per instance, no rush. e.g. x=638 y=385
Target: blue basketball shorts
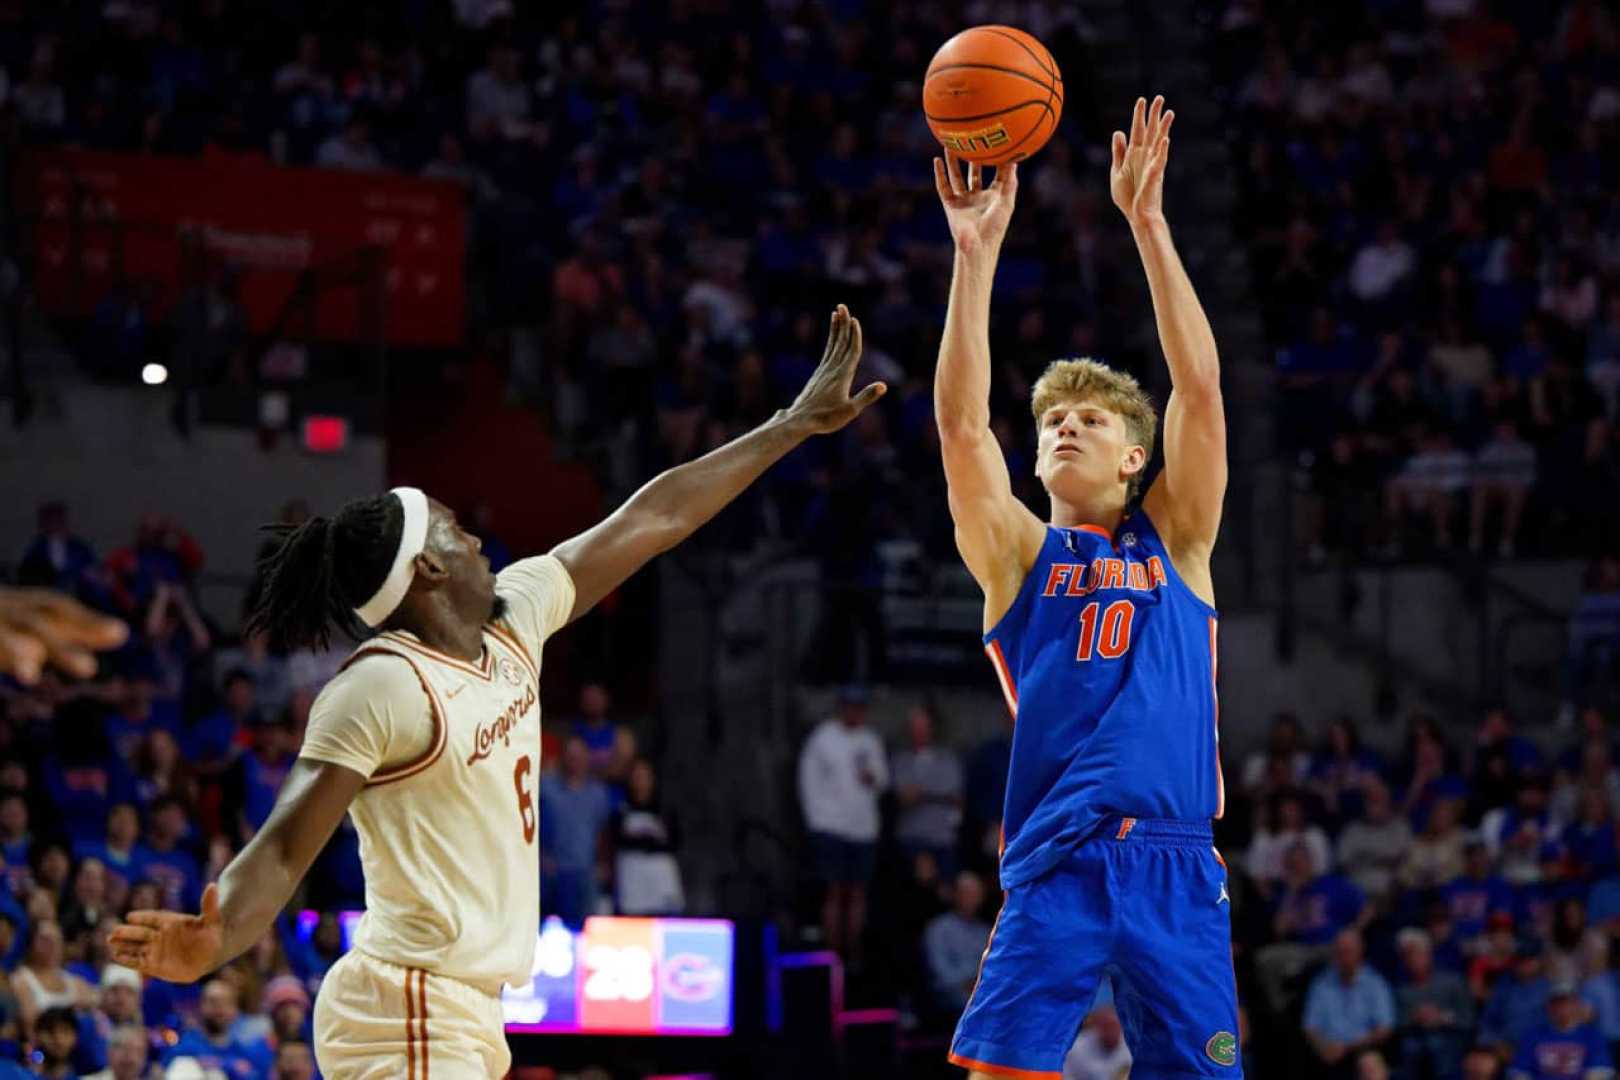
x=1141 y=901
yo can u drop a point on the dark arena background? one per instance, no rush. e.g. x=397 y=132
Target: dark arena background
x=258 y=258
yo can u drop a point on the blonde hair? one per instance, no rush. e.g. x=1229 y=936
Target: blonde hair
x=1085 y=379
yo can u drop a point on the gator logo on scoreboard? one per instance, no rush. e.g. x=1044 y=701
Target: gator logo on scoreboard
x=692 y=977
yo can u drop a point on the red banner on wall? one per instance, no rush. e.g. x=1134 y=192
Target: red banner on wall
x=364 y=244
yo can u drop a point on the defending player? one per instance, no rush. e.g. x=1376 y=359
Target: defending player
x=430 y=737
x=1101 y=630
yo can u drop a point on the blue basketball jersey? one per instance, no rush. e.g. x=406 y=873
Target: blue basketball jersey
x=1107 y=660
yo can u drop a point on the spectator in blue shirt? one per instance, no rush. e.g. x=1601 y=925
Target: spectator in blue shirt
x=1349 y=1007
x=954 y=943
x=1517 y=1003
x=56 y=558
x=211 y=745
x=16 y=841
x=1565 y=1047
x=171 y=866
x=1589 y=841
x=118 y=851
x=1312 y=910
x=1471 y=898
x=210 y=1043
x=575 y=807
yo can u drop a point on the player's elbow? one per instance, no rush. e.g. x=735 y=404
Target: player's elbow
x=961 y=427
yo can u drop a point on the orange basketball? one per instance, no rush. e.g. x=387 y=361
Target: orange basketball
x=992 y=95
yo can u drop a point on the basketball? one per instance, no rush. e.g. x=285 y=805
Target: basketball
x=993 y=94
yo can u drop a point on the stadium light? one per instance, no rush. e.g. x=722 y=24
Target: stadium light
x=154 y=374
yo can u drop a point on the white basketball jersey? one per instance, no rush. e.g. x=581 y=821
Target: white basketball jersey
x=449 y=835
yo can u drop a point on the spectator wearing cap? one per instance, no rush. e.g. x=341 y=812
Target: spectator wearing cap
x=1566 y=1046
x=287 y=1002
x=842 y=772
x=56 y=1036
x=1373 y=844
x=118 y=1007
x=127 y=1051
x=1517 y=1001
x=1474 y=894
x=928 y=787
x=1348 y=1009
x=1434 y=1010
x=210 y=1041
x=954 y=944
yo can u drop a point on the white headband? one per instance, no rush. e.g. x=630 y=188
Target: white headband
x=412 y=538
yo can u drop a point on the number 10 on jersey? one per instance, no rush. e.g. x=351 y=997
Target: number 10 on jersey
x=1107 y=636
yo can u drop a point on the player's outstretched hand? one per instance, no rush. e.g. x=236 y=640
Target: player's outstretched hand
x=42 y=626
x=171 y=946
x=977 y=214
x=1136 y=176
x=825 y=402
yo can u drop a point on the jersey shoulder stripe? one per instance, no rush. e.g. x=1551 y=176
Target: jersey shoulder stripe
x=441 y=727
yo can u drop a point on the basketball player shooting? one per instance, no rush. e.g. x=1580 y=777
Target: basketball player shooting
x=1100 y=625
x=430 y=737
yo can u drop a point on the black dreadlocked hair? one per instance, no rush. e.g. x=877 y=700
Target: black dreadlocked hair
x=317 y=573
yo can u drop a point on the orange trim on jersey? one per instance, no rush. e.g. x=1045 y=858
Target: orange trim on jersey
x=1009 y=689
x=1001 y=1070
x=410 y=1027
x=441 y=733
x=509 y=639
x=421 y=1001
x=1218 y=858
x=484 y=669
x=1215 y=694
x=991 y=940
x=1106 y=535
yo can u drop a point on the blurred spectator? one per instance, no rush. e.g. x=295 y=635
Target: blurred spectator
x=88 y=903
x=1517 y=1002
x=1286 y=827
x=645 y=835
x=1372 y=847
x=271 y=674
x=1099 y=1051
x=255 y=778
x=213 y=742
x=954 y=944
x=1478 y=893
x=575 y=810
x=1311 y=910
x=1504 y=474
x=56 y=1037
x=127 y=1050
x=210 y=1041
x=294 y=1061
x=1436 y=856
x=1435 y=1012
x=161 y=774
x=611 y=747
x=1564 y=1046
x=1343 y=770
x=928 y=787
x=1481 y=1064
x=1348 y=1008
x=167 y=862
x=42 y=982
x=351 y=148
x=842 y=771
x=1594 y=633
x=57 y=558
x=1283 y=742
x=162 y=552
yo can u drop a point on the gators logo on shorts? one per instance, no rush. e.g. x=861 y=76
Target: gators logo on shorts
x=1222 y=1048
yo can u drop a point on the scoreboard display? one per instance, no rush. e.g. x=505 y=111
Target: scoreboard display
x=623 y=976
x=616 y=976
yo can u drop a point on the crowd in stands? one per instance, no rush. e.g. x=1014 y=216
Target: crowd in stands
x=1431 y=197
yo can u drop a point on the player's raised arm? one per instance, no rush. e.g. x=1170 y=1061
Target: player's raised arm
x=997 y=535
x=242 y=905
x=1185 y=501
x=674 y=504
